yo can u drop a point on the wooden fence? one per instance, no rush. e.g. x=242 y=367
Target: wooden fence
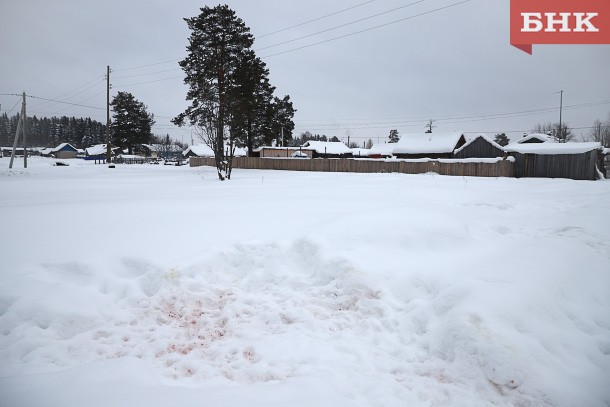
x=500 y=168
x=572 y=166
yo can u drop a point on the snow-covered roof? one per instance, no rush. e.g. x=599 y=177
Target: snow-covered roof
x=98 y=149
x=299 y=154
x=162 y=147
x=427 y=143
x=62 y=146
x=328 y=147
x=203 y=150
x=386 y=149
x=478 y=136
x=200 y=150
x=280 y=148
x=240 y=152
x=545 y=138
x=361 y=152
x=553 y=148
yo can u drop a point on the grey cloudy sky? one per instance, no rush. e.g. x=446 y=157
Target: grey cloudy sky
x=454 y=65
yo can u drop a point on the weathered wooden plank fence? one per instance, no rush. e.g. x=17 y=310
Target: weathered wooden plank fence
x=500 y=168
x=572 y=166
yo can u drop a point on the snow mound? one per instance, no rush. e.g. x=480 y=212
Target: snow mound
x=274 y=312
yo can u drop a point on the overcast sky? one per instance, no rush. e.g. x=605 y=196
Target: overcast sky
x=454 y=65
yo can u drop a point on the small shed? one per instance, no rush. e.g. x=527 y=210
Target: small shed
x=64 y=150
x=428 y=145
x=480 y=147
x=578 y=161
x=328 y=149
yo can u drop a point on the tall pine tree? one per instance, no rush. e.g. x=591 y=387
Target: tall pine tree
x=251 y=96
x=131 y=123
x=218 y=43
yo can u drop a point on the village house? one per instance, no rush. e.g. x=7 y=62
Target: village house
x=328 y=149
x=480 y=146
x=283 y=152
x=428 y=145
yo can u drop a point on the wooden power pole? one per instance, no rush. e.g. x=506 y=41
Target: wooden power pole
x=560 y=135
x=108 y=114
x=20 y=124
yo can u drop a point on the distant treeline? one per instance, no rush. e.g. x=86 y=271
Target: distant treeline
x=50 y=132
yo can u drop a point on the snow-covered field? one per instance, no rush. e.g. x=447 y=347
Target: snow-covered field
x=161 y=286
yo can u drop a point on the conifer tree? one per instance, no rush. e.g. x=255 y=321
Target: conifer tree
x=394 y=136
x=131 y=124
x=218 y=43
x=501 y=139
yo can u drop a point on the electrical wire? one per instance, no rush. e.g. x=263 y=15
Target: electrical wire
x=368 y=29
x=144 y=83
x=341 y=26
x=452 y=118
x=66 y=103
x=7 y=113
x=145 y=74
x=316 y=19
x=146 y=66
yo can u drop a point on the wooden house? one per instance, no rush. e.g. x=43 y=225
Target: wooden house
x=328 y=149
x=203 y=150
x=479 y=147
x=64 y=150
x=283 y=152
x=428 y=145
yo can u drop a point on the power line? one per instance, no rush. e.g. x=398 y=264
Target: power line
x=316 y=19
x=82 y=86
x=342 y=25
x=368 y=29
x=66 y=103
x=84 y=100
x=456 y=118
x=47 y=105
x=13 y=106
x=144 y=83
x=147 y=65
x=145 y=74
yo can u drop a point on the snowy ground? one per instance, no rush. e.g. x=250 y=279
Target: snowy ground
x=154 y=285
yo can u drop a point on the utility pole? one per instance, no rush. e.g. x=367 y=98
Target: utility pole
x=559 y=136
x=430 y=126
x=20 y=123
x=25 y=151
x=108 y=114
